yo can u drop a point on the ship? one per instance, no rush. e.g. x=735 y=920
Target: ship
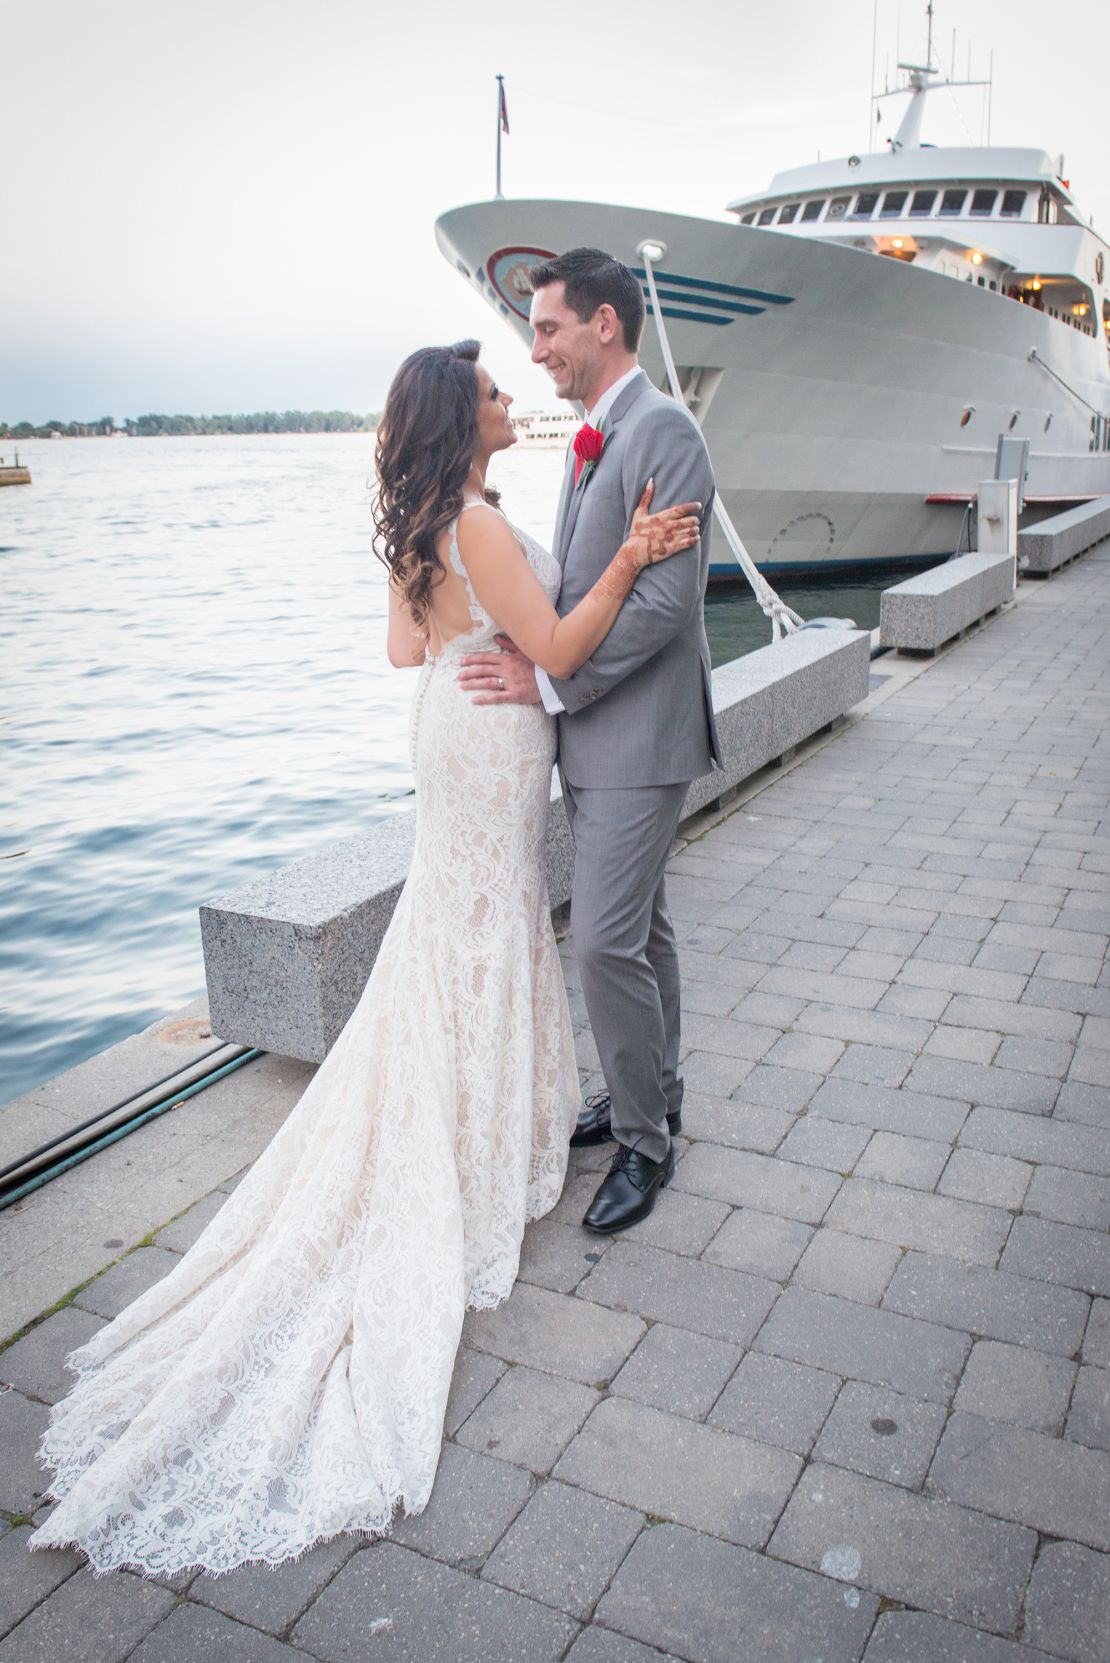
x=857 y=339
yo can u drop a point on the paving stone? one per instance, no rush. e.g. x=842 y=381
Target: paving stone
x=906 y=1546
x=1051 y=1484
x=35 y=1364
x=995 y=1180
x=680 y=1223
x=22 y=1480
x=992 y=1303
x=1070 y=1197
x=865 y=1027
x=921 y=1637
x=1091 y=1066
x=556 y=1255
x=1062 y=1253
x=885 y=1110
x=776 y=1402
x=415 y=1611
x=1087 y=1104
x=564 y=1548
x=713 y=1603
x=1096 y=1341
x=1028 y=1021
x=853 y=1267
x=735 y=1122
x=812 y=955
x=192 y=1634
x=882 y=1433
x=179 y=1236
x=109 y=1294
x=676 y=1370
x=528 y=1418
x=474 y=1501
x=1005 y=1088
x=1052 y=1141
x=679 y=1469
x=558 y=1333
x=874 y=1065
x=930 y=1223
x=894 y=1158
x=962 y=1045
x=788 y=1089
x=751 y=1180
x=833 y=1144
x=718 y=1036
x=1015 y=1383
x=716 y=1075
x=862 y=1343
x=775 y=1010
x=273 y=1599
x=688 y=1293
x=476 y=1373
x=904 y=1000
x=1089 y=1416
x=1021 y=960
x=810 y=1052
x=602 y=1645
x=87 y=1620
x=1035 y=1056
x=759 y=1243
x=1067 y=1608
x=26 y=1578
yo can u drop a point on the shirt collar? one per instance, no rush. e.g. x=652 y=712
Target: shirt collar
x=609 y=397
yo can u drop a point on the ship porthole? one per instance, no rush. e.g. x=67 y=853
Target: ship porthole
x=1048 y=421
x=1014 y=420
x=969 y=411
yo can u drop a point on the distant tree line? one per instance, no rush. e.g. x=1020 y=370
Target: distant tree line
x=154 y=427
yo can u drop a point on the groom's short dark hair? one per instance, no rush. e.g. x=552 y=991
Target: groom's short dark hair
x=593 y=278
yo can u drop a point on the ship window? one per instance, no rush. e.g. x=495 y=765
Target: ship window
x=812 y=210
x=952 y=202
x=766 y=215
x=1012 y=203
x=922 y=202
x=866 y=203
x=838 y=207
x=747 y=219
x=788 y=214
x=982 y=202
x=894 y=203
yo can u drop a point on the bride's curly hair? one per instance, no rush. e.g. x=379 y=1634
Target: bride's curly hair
x=425 y=447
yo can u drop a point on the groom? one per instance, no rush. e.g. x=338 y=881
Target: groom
x=635 y=722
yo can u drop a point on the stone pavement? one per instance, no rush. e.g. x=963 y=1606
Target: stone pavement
x=847 y=1393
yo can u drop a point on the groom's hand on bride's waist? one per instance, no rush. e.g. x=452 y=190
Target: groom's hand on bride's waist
x=505 y=677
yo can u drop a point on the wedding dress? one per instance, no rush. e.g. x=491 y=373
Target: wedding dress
x=287 y=1380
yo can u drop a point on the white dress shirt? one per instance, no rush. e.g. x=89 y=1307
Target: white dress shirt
x=551 y=700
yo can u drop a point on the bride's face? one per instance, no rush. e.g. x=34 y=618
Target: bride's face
x=495 y=430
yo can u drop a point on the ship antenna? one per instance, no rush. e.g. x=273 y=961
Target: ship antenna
x=929 y=43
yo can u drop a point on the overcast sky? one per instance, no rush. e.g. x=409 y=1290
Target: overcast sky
x=228 y=205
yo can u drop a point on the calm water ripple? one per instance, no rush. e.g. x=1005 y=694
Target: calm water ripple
x=196 y=692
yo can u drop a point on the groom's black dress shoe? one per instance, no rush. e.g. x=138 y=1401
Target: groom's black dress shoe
x=595 y=1126
x=628 y=1193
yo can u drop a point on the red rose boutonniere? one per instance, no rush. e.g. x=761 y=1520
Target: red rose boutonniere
x=589 y=442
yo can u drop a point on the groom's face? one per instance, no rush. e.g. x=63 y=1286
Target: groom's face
x=568 y=349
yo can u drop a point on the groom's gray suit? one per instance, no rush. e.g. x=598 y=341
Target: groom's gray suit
x=637 y=728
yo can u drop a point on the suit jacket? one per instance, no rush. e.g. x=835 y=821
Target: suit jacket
x=640 y=711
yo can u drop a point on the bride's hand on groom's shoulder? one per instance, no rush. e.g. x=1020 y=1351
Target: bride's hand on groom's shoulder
x=505 y=677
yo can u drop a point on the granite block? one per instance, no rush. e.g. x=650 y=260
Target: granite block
x=1067 y=1608
x=564 y=1548
x=676 y=1370
x=881 y=1433
x=528 y=1418
x=776 y=1402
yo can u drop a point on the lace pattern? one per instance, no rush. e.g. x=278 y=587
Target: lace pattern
x=287 y=1380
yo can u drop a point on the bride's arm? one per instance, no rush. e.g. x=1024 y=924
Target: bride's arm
x=404 y=646
x=510 y=592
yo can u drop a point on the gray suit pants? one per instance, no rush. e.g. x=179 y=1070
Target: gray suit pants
x=627 y=955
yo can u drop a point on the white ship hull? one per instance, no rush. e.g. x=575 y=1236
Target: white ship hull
x=833 y=396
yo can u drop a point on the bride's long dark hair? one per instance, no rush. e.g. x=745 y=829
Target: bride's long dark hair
x=425 y=448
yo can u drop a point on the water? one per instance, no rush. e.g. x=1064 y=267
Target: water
x=196 y=691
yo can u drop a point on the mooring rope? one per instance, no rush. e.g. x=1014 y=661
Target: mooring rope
x=1035 y=358
x=784 y=620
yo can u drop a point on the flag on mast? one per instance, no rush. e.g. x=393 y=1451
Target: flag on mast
x=504 y=108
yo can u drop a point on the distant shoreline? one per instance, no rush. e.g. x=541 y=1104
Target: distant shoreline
x=195 y=427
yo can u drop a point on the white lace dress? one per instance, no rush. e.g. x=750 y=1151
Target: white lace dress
x=287 y=1380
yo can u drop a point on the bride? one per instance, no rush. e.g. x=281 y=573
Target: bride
x=287 y=1380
